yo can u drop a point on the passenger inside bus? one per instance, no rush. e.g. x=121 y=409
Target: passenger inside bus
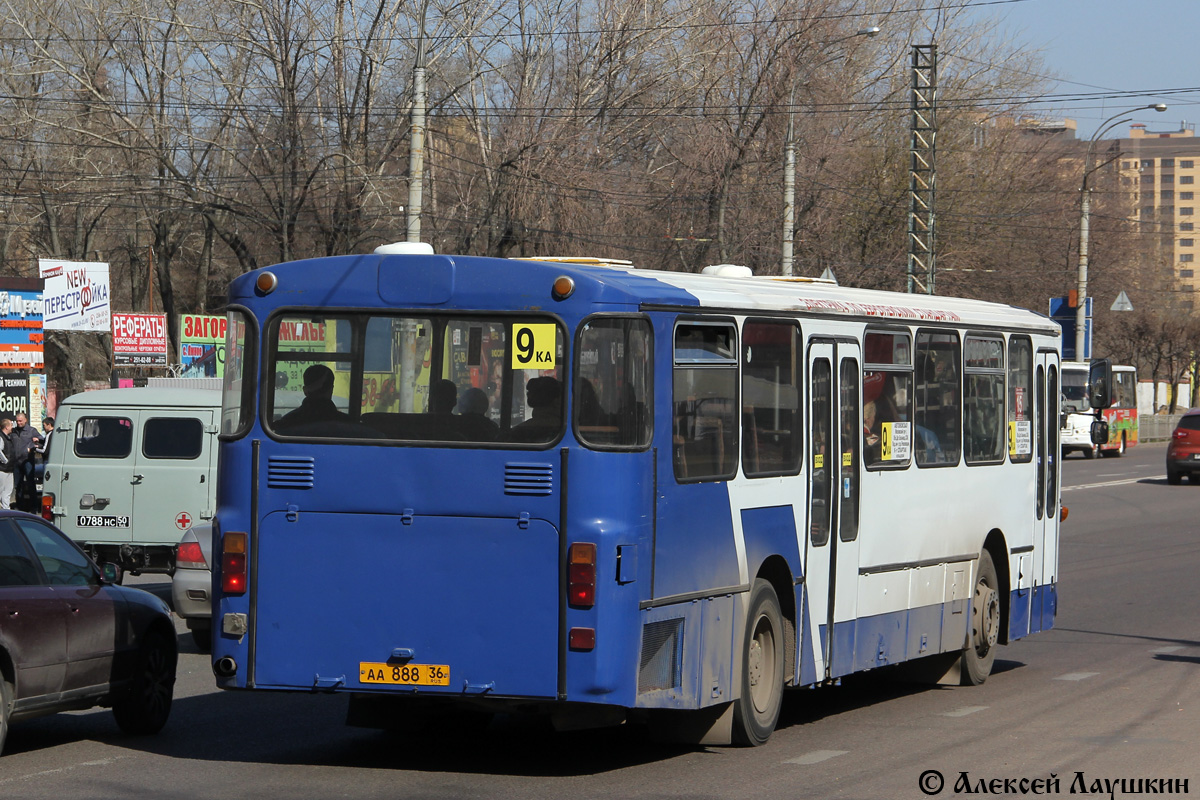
x=473 y=418
x=544 y=396
x=317 y=407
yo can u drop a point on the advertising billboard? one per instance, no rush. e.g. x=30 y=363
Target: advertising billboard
x=202 y=345
x=139 y=340
x=21 y=337
x=76 y=297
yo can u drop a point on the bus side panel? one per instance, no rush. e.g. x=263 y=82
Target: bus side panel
x=478 y=595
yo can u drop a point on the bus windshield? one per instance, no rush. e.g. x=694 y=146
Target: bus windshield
x=361 y=376
x=1074 y=391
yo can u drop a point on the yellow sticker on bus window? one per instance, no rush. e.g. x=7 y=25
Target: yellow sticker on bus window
x=534 y=346
x=818 y=461
x=848 y=458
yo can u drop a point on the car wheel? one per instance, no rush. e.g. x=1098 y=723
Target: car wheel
x=980 y=654
x=6 y=694
x=144 y=706
x=756 y=711
x=1174 y=478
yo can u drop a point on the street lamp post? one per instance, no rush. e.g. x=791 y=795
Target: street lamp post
x=789 y=170
x=1085 y=210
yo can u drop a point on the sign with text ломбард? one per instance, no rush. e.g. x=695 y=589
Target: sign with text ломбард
x=76 y=297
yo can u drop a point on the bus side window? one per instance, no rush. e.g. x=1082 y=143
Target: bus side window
x=705 y=423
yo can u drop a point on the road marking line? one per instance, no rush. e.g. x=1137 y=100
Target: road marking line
x=1076 y=676
x=1101 y=485
x=104 y=762
x=1167 y=649
x=816 y=757
x=964 y=711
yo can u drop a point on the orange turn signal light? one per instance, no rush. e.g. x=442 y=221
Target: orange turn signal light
x=266 y=282
x=563 y=288
x=1062 y=513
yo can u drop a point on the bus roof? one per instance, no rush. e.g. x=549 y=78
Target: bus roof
x=416 y=281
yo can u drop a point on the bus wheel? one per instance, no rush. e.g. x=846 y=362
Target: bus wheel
x=1120 y=451
x=1090 y=452
x=980 y=654
x=756 y=710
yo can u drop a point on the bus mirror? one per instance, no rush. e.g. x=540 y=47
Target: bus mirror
x=1100 y=385
x=1100 y=431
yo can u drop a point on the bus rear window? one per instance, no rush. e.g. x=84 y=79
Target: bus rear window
x=470 y=380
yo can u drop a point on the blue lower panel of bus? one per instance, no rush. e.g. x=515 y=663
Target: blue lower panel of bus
x=876 y=641
x=476 y=595
x=1031 y=611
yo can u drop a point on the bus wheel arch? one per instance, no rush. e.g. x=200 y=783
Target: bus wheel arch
x=775 y=570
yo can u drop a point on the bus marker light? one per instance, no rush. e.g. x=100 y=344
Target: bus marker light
x=581 y=574
x=563 y=287
x=1062 y=512
x=582 y=638
x=266 y=282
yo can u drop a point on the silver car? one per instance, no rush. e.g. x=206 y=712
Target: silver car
x=191 y=586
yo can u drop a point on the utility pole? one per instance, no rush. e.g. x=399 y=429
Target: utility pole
x=416 y=148
x=922 y=254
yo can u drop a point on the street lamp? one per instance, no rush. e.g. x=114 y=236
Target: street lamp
x=1085 y=209
x=789 y=167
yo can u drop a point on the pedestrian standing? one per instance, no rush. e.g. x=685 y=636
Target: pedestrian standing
x=8 y=462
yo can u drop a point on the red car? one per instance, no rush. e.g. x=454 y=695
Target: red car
x=1183 y=451
x=70 y=638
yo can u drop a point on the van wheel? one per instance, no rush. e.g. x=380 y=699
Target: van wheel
x=980 y=654
x=756 y=711
x=144 y=706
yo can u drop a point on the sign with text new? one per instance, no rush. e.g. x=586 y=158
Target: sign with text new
x=139 y=340
x=76 y=297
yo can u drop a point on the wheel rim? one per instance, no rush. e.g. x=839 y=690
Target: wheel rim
x=760 y=663
x=986 y=611
x=157 y=682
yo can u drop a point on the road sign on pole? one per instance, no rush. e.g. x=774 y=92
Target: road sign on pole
x=1062 y=312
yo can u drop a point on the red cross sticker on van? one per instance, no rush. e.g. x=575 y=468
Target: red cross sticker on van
x=183 y=520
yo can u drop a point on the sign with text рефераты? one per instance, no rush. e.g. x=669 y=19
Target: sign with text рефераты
x=76 y=297
x=139 y=340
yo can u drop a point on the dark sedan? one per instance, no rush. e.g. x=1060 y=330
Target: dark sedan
x=70 y=638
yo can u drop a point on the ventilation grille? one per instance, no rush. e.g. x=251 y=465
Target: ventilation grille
x=528 y=479
x=662 y=655
x=290 y=472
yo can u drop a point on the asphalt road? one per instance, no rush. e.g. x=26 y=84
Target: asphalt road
x=1112 y=693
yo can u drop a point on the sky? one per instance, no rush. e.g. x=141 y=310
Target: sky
x=1112 y=55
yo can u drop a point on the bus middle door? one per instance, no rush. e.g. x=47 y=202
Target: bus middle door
x=831 y=565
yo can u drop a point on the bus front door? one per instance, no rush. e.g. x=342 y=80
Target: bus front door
x=831 y=564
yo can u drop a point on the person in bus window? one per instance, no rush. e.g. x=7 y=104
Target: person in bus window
x=473 y=416
x=317 y=405
x=443 y=396
x=544 y=396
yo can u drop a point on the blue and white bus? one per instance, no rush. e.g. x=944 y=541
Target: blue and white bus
x=576 y=487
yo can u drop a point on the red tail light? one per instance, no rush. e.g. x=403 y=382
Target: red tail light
x=189 y=555
x=233 y=563
x=581 y=575
x=47 y=507
x=1181 y=434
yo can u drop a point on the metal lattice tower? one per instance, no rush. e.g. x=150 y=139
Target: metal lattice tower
x=922 y=258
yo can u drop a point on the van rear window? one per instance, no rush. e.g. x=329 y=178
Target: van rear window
x=103 y=437
x=181 y=438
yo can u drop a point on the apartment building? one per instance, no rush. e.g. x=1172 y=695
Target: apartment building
x=1159 y=177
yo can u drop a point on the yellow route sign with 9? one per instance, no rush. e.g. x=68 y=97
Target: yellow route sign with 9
x=534 y=345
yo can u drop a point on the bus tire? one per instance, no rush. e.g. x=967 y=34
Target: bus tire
x=980 y=654
x=756 y=711
x=1090 y=452
x=1120 y=451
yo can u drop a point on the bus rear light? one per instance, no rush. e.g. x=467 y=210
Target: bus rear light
x=582 y=638
x=233 y=563
x=266 y=282
x=563 y=287
x=48 y=507
x=581 y=575
x=1062 y=513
